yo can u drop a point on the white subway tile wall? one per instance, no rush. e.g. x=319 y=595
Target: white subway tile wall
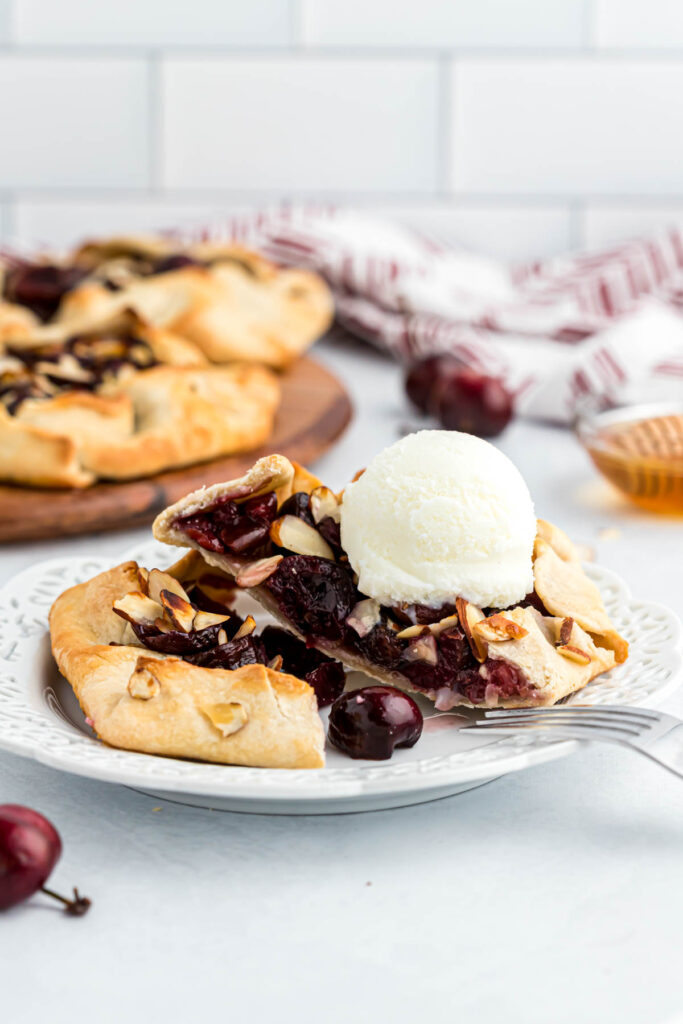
x=520 y=130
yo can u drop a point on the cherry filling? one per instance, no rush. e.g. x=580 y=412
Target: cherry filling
x=241 y=529
x=82 y=363
x=316 y=595
x=327 y=677
x=41 y=287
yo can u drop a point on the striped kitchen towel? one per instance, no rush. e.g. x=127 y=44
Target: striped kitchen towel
x=555 y=331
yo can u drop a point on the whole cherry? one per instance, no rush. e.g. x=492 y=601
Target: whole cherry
x=29 y=849
x=422 y=376
x=372 y=721
x=472 y=402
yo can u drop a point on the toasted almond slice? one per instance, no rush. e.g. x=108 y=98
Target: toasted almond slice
x=469 y=615
x=295 y=535
x=422 y=649
x=202 y=620
x=574 y=654
x=566 y=628
x=178 y=611
x=137 y=607
x=364 y=616
x=163 y=626
x=410 y=632
x=497 y=628
x=68 y=369
x=444 y=624
x=246 y=629
x=143 y=685
x=254 y=573
x=323 y=504
x=143 y=579
x=159 y=581
x=275 y=663
x=227 y=718
x=221 y=637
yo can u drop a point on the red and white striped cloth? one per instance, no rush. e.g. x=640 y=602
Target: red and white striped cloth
x=554 y=331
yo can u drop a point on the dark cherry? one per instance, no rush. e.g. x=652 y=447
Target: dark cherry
x=506 y=680
x=315 y=594
x=473 y=403
x=423 y=375
x=298 y=505
x=29 y=849
x=184 y=644
x=229 y=526
x=325 y=675
x=420 y=614
x=175 y=262
x=381 y=646
x=41 y=287
x=329 y=530
x=248 y=650
x=371 y=722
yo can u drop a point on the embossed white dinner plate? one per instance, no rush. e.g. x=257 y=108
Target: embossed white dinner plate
x=40 y=717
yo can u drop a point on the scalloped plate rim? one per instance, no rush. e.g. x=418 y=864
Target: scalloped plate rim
x=253 y=785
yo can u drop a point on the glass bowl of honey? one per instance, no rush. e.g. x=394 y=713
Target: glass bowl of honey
x=639 y=449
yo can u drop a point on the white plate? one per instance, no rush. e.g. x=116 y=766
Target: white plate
x=40 y=718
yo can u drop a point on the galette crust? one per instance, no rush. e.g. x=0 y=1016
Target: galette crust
x=274 y=715
x=241 y=307
x=553 y=675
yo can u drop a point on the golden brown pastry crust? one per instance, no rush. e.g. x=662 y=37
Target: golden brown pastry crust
x=241 y=307
x=186 y=710
x=551 y=673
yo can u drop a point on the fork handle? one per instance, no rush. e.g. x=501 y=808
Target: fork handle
x=667 y=750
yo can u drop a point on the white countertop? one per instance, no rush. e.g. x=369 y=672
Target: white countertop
x=552 y=896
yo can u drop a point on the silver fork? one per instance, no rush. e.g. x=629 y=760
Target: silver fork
x=658 y=736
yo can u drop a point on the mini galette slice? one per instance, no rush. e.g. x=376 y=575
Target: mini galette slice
x=161 y=665
x=276 y=531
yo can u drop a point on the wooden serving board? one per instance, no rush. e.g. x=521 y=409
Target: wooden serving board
x=315 y=410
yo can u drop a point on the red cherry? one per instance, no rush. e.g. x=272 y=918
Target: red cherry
x=371 y=721
x=423 y=376
x=472 y=402
x=29 y=849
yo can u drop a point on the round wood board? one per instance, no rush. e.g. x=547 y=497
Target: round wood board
x=315 y=410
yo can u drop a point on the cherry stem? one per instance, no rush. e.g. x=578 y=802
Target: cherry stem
x=78 y=906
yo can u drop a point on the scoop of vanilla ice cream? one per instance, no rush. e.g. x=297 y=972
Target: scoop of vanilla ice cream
x=440 y=515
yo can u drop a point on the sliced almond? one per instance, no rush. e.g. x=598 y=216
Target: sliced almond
x=203 y=620
x=469 y=615
x=257 y=572
x=412 y=631
x=364 y=616
x=295 y=535
x=422 y=649
x=221 y=637
x=142 y=684
x=574 y=654
x=68 y=369
x=137 y=607
x=497 y=628
x=246 y=629
x=163 y=626
x=324 y=504
x=227 y=718
x=178 y=611
x=566 y=628
x=143 y=578
x=444 y=624
x=275 y=663
x=159 y=581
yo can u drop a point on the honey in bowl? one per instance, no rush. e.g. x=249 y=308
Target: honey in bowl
x=640 y=451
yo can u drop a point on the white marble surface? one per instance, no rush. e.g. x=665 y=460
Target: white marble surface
x=553 y=896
